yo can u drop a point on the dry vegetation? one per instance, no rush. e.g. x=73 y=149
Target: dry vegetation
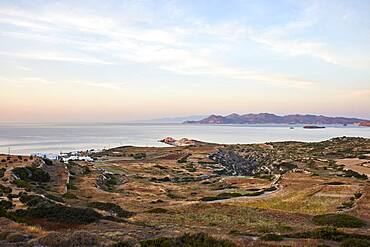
x=131 y=194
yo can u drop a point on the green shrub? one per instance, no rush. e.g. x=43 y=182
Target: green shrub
x=335 y=183
x=358 y=195
x=71 y=187
x=348 y=204
x=48 y=162
x=22 y=184
x=6 y=204
x=16 y=237
x=69 y=196
x=55 y=198
x=112 y=208
x=31 y=173
x=2 y=171
x=139 y=156
x=5 y=189
x=30 y=200
x=338 y=220
x=350 y=173
x=328 y=233
x=183 y=159
x=353 y=242
x=272 y=237
x=158 y=211
x=53 y=239
x=11 y=196
x=272 y=188
x=60 y=212
x=187 y=240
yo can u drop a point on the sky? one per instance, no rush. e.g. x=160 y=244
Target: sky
x=131 y=60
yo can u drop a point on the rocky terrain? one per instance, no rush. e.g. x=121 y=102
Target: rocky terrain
x=268 y=118
x=183 y=142
x=270 y=194
x=365 y=123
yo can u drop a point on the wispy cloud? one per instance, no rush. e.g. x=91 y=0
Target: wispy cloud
x=56 y=56
x=168 y=48
x=90 y=38
x=35 y=80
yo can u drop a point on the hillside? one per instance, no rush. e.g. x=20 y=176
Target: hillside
x=268 y=118
x=219 y=195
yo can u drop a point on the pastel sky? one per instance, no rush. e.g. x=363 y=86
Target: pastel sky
x=127 y=60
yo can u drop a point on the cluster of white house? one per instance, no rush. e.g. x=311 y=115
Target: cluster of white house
x=65 y=157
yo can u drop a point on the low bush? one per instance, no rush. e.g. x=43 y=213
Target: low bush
x=139 y=156
x=53 y=239
x=358 y=195
x=239 y=233
x=61 y=213
x=350 y=173
x=2 y=171
x=353 y=242
x=31 y=173
x=338 y=220
x=187 y=240
x=5 y=189
x=272 y=188
x=55 y=198
x=272 y=237
x=228 y=195
x=183 y=159
x=71 y=186
x=327 y=233
x=83 y=238
x=22 y=184
x=12 y=196
x=113 y=209
x=6 y=204
x=69 y=195
x=16 y=237
x=158 y=211
x=48 y=162
x=348 y=204
x=31 y=200
x=335 y=183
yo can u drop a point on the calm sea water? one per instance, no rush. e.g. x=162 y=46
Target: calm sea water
x=30 y=138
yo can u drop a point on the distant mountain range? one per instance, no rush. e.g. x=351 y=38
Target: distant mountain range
x=172 y=119
x=269 y=118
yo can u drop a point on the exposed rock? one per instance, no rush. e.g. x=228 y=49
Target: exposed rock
x=183 y=179
x=107 y=180
x=247 y=164
x=365 y=123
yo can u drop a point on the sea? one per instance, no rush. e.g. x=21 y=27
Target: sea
x=28 y=138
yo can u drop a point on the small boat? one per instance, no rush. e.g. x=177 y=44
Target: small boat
x=291 y=128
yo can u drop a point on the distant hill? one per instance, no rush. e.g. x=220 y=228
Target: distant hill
x=269 y=118
x=172 y=119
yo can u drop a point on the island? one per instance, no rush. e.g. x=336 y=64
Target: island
x=313 y=127
x=269 y=118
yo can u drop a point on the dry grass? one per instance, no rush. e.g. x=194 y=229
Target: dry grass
x=224 y=218
x=304 y=194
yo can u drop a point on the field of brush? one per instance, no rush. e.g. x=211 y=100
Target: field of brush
x=298 y=194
